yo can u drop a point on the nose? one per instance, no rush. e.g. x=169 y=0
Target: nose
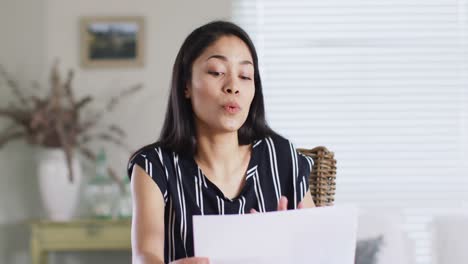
x=231 y=86
x=232 y=91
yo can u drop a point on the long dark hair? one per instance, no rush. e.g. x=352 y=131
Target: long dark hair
x=178 y=132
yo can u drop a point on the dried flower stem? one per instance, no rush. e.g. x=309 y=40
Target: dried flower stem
x=6 y=138
x=13 y=86
x=92 y=157
x=54 y=121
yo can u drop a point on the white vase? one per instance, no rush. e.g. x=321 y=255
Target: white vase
x=58 y=194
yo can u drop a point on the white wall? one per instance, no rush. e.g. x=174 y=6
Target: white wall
x=22 y=43
x=167 y=24
x=33 y=34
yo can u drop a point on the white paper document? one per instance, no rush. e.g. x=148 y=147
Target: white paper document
x=323 y=235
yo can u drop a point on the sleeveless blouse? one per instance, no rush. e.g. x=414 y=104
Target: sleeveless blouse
x=275 y=169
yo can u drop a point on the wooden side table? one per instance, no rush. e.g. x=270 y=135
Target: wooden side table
x=78 y=235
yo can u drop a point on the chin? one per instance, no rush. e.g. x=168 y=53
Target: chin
x=231 y=125
x=223 y=124
x=231 y=128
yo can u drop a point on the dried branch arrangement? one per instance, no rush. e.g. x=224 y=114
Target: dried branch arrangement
x=56 y=121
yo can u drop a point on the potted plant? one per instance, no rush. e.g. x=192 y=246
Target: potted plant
x=56 y=123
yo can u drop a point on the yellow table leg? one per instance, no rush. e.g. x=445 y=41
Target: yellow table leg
x=38 y=255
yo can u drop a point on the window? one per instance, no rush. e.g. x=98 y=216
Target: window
x=384 y=85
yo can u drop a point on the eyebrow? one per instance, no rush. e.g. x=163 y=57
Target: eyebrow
x=223 y=58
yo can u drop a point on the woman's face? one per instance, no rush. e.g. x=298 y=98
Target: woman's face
x=222 y=85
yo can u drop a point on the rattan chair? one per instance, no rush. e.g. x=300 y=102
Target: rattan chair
x=322 y=178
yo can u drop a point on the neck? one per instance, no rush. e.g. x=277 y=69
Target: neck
x=220 y=152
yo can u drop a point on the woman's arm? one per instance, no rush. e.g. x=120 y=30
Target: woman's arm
x=147 y=220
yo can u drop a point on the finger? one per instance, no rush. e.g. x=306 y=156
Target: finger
x=202 y=260
x=253 y=211
x=300 y=205
x=283 y=204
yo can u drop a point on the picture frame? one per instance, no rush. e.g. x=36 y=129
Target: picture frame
x=112 y=41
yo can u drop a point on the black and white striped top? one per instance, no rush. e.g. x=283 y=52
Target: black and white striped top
x=275 y=169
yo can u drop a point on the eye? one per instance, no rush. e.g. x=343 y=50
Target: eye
x=245 y=77
x=215 y=73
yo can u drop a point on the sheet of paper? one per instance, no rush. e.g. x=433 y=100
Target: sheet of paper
x=324 y=235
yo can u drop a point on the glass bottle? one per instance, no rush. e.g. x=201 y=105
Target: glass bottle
x=101 y=191
x=125 y=201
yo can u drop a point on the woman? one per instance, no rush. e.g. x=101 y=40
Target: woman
x=216 y=153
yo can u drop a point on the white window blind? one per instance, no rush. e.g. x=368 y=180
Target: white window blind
x=382 y=84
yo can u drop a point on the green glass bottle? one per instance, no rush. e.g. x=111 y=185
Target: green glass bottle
x=125 y=201
x=101 y=192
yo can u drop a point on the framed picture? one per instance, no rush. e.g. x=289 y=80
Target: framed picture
x=112 y=41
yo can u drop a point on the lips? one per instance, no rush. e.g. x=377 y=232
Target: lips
x=232 y=107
